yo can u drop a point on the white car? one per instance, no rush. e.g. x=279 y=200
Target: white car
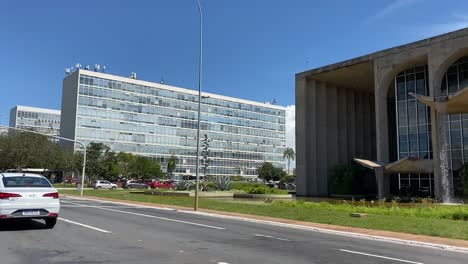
x=31 y=196
x=101 y=184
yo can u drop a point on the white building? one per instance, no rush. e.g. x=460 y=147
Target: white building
x=42 y=120
x=159 y=120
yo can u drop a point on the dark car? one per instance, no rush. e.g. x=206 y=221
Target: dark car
x=132 y=184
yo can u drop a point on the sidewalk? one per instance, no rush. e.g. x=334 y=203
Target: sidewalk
x=390 y=236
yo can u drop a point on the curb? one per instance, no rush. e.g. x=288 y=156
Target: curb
x=295 y=226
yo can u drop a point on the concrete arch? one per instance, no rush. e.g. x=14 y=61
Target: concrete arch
x=439 y=71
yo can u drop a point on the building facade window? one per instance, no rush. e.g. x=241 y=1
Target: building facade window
x=158 y=122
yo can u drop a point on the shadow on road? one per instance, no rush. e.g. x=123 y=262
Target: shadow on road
x=21 y=224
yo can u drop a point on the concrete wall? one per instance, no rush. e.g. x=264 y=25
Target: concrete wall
x=13 y=116
x=333 y=126
x=69 y=109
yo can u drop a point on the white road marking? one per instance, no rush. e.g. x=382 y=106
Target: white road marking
x=272 y=237
x=377 y=256
x=83 y=225
x=222 y=263
x=151 y=216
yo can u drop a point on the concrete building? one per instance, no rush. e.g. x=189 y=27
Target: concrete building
x=159 y=120
x=42 y=120
x=367 y=108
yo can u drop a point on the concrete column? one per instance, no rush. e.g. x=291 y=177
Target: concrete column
x=380 y=179
x=322 y=134
x=435 y=81
x=301 y=157
x=382 y=80
x=333 y=148
x=342 y=127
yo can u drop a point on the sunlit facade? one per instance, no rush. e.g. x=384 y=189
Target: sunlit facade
x=382 y=111
x=46 y=121
x=159 y=120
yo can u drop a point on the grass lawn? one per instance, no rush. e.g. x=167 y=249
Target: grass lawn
x=425 y=219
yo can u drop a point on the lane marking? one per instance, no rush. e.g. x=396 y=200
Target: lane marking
x=272 y=237
x=378 y=256
x=83 y=225
x=151 y=216
x=384 y=239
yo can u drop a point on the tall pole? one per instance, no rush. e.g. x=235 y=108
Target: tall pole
x=197 y=171
x=57 y=137
x=84 y=169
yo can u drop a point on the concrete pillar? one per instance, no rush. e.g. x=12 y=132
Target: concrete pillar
x=382 y=79
x=380 y=179
x=301 y=157
x=435 y=80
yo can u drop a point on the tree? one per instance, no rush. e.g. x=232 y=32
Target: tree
x=205 y=154
x=172 y=164
x=289 y=154
x=144 y=167
x=95 y=167
x=124 y=161
x=20 y=150
x=268 y=172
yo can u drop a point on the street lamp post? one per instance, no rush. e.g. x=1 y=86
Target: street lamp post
x=197 y=171
x=62 y=138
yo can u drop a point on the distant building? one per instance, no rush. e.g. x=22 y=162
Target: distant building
x=158 y=120
x=366 y=108
x=42 y=120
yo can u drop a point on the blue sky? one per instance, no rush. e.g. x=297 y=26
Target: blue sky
x=252 y=48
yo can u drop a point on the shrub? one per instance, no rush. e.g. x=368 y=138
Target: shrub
x=182 y=185
x=223 y=183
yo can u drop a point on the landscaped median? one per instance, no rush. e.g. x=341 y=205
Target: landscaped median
x=422 y=219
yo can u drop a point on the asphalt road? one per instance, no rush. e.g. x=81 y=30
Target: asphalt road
x=101 y=232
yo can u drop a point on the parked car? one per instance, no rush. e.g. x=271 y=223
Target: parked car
x=163 y=185
x=149 y=182
x=103 y=184
x=26 y=195
x=132 y=184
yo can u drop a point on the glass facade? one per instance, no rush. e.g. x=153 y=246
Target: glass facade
x=455 y=79
x=414 y=122
x=160 y=121
x=413 y=126
x=45 y=121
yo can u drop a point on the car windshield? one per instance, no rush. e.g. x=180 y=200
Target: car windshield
x=25 y=181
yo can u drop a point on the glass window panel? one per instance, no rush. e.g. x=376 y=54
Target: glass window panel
x=410 y=83
x=420 y=83
x=452 y=80
x=413 y=142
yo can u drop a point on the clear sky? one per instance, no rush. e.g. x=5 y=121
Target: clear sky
x=252 y=48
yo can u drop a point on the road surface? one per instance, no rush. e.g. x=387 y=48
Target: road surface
x=102 y=232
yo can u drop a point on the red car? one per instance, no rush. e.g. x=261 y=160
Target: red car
x=163 y=185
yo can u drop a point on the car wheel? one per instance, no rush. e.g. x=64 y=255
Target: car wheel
x=99 y=187
x=113 y=188
x=50 y=222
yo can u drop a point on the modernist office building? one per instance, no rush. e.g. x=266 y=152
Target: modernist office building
x=365 y=108
x=46 y=121
x=159 y=120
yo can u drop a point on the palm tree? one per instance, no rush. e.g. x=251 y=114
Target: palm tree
x=172 y=164
x=289 y=154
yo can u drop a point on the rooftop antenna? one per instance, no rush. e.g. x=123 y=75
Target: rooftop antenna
x=78 y=66
x=87 y=67
x=133 y=75
x=104 y=68
x=97 y=67
x=67 y=71
x=162 y=80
